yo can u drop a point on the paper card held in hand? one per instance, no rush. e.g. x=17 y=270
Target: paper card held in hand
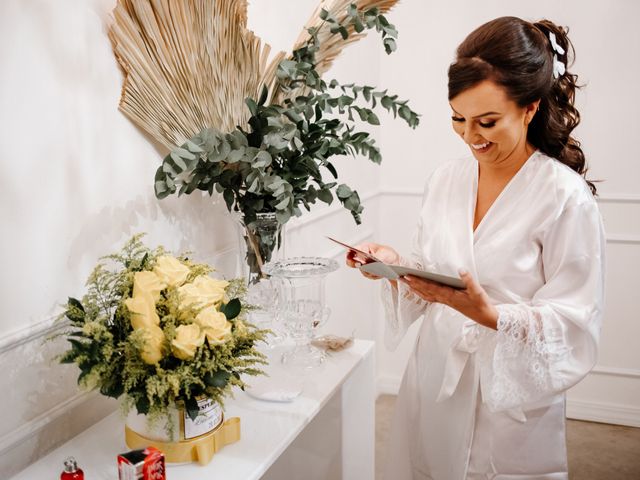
x=393 y=272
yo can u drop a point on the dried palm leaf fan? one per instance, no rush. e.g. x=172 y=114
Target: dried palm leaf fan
x=332 y=45
x=190 y=64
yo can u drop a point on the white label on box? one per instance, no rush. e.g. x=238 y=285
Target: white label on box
x=209 y=417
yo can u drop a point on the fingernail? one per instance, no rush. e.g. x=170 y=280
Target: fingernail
x=462 y=271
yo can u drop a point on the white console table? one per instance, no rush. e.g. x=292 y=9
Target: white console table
x=328 y=432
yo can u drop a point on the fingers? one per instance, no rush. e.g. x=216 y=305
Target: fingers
x=353 y=261
x=473 y=287
x=370 y=276
x=430 y=291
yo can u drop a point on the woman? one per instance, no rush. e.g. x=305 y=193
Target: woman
x=483 y=393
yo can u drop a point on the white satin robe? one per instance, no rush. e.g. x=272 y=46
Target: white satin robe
x=476 y=403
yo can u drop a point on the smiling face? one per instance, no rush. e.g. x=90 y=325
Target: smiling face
x=493 y=125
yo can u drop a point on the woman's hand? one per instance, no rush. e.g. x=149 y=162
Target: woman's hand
x=473 y=301
x=383 y=253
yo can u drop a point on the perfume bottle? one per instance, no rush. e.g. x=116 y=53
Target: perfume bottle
x=71 y=470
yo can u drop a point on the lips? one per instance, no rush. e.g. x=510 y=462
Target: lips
x=481 y=147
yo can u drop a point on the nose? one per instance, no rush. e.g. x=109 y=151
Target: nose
x=468 y=133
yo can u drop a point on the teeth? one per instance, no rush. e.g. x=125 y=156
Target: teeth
x=480 y=146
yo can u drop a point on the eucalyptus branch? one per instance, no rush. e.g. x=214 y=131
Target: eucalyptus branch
x=277 y=165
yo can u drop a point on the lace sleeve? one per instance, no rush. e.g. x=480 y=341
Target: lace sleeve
x=525 y=357
x=402 y=307
x=549 y=344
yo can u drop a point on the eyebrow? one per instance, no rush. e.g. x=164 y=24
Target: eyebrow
x=477 y=116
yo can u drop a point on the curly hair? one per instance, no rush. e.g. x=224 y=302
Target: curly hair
x=518 y=56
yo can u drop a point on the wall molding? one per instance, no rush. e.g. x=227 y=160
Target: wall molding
x=403 y=192
x=622 y=239
x=616 y=371
x=388 y=385
x=602 y=412
x=618 y=198
x=601 y=198
x=30 y=333
x=33 y=426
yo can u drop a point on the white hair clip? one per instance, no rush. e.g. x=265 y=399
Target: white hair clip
x=558 y=67
x=554 y=44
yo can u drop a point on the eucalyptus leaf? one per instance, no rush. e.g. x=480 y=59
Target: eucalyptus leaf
x=178 y=161
x=282 y=204
x=253 y=106
x=373 y=119
x=228 y=198
x=182 y=153
x=193 y=147
x=262 y=159
x=343 y=191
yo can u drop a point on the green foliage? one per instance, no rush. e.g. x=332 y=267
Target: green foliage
x=277 y=166
x=107 y=350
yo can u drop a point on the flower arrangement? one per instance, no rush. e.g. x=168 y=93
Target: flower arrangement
x=158 y=332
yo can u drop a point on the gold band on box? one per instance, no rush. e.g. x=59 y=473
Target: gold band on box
x=199 y=449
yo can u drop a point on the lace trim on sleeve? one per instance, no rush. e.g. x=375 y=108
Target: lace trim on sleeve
x=525 y=357
x=402 y=307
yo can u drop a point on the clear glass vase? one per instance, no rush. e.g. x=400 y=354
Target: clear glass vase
x=260 y=242
x=301 y=306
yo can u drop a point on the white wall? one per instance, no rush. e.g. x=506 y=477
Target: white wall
x=77 y=180
x=607 y=40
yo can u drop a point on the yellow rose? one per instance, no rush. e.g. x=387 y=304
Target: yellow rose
x=203 y=292
x=171 y=270
x=215 y=325
x=147 y=283
x=153 y=344
x=143 y=311
x=188 y=339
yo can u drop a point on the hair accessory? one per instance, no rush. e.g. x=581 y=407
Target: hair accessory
x=554 y=44
x=558 y=67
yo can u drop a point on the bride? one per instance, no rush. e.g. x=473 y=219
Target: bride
x=483 y=394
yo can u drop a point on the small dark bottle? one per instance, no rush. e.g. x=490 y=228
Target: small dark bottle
x=71 y=470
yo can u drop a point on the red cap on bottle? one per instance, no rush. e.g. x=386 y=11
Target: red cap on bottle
x=71 y=470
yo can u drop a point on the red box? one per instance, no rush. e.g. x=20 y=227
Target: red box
x=145 y=464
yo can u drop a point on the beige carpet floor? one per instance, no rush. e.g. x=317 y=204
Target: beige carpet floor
x=596 y=451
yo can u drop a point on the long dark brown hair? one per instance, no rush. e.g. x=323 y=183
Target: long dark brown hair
x=518 y=55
